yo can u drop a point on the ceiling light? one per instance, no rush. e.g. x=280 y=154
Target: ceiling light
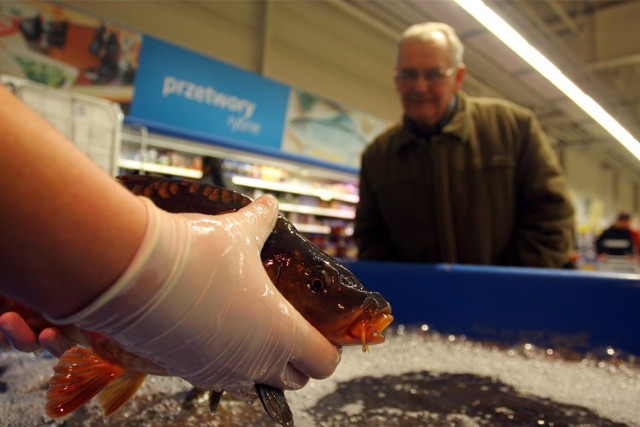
x=519 y=45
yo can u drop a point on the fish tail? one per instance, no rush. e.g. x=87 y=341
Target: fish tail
x=79 y=376
x=120 y=391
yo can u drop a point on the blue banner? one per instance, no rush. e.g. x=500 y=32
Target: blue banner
x=182 y=88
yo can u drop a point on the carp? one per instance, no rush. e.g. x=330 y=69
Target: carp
x=325 y=292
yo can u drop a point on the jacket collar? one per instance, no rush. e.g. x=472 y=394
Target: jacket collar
x=458 y=126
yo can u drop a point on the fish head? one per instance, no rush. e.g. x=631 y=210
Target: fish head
x=325 y=292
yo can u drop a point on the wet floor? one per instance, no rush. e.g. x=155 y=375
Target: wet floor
x=413 y=379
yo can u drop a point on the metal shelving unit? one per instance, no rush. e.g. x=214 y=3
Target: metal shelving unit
x=93 y=124
x=327 y=197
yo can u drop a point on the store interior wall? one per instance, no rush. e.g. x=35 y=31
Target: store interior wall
x=320 y=47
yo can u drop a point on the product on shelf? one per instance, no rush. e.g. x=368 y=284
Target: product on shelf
x=322 y=209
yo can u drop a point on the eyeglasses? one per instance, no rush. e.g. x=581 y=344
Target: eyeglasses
x=432 y=75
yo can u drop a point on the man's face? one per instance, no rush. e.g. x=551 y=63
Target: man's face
x=426 y=99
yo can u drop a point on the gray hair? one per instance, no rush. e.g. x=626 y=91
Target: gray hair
x=426 y=30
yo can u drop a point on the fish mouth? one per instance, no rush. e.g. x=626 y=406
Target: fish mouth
x=375 y=317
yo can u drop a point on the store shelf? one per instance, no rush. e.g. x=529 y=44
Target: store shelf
x=322 y=193
x=236 y=150
x=156 y=168
x=314 y=210
x=313 y=228
x=318 y=200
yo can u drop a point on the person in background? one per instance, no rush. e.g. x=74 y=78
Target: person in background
x=81 y=249
x=212 y=172
x=459 y=179
x=618 y=240
x=636 y=238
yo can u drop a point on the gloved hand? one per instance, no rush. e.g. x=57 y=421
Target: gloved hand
x=197 y=300
x=15 y=332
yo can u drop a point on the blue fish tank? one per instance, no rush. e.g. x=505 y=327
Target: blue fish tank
x=469 y=346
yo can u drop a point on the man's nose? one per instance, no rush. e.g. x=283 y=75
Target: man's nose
x=421 y=83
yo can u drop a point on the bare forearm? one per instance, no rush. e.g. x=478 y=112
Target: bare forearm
x=67 y=230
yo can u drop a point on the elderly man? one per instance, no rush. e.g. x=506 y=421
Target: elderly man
x=459 y=179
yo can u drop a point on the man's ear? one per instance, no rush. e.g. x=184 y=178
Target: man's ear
x=461 y=72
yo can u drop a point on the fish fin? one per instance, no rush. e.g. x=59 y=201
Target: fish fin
x=192 y=395
x=213 y=397
x=214 y=400
x=275 y=404
x=78 y=376
x=120 y=390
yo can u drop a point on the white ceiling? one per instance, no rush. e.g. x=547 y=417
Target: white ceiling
x=596 y=43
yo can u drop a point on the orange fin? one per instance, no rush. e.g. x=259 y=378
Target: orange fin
x=79 y=375
x=119 y=391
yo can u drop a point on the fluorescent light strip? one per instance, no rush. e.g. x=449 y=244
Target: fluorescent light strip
x=519 y=45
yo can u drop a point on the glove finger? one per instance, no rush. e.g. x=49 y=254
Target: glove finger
x=318 y=358
x=293 y=379
x=289 y=379
x=54 y=341
x=263 y=213
x=16 y=331
x=245 y=392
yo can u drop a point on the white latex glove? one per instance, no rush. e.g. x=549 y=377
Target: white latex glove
x=197 y=300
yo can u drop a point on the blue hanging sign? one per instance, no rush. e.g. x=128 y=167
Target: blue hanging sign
x=179 y=87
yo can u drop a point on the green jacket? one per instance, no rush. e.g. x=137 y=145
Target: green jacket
x=487 y=189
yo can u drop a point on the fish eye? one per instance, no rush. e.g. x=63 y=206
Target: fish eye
x=318 y=283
